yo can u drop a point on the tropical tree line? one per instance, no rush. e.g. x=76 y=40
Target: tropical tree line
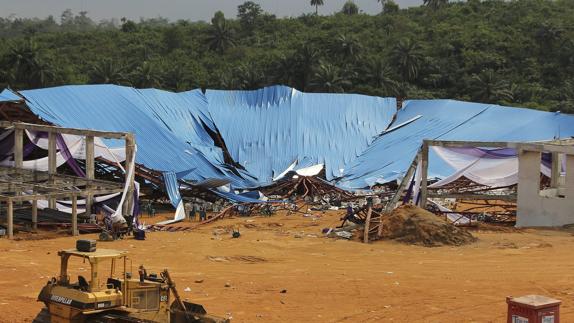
x=517 y=53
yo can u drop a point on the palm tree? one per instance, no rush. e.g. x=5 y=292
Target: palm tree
x=381 y=77
x=350 y=8
x=285 y=70
x=306 y=59
x=317 y=3
x=221 y=37
x=147 y=75
x=407 y=56
x=24 y=58
x=347 y=47
x=42 y=75
x=486 y=87
x=382 y=2
x=328 y=79
x=249 y=77
x=435 y=4
x=107 y=71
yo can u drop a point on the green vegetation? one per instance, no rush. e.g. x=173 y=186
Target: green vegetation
x=517 y=53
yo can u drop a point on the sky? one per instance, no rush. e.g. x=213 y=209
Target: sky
x=174 y=9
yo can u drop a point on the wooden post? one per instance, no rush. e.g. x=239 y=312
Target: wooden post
x=424 y=174
x=556 y=170
x=90 y=172
x=75 y=231
x=404 y=183
x=368 y=225
x=35 y=214
x=52 y=151
x=18 y=154
x=10 y=216
x=130 y=151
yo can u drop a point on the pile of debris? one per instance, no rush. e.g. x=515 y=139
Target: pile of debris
x=413 y=225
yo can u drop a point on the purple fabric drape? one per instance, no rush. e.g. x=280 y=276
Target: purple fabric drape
x=68 y=156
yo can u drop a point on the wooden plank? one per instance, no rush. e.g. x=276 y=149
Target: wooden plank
x=424 y=174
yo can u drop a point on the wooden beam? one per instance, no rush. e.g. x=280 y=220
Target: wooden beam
x=10 y=218
x=75 y=231
x=90 y=171
x=470 y=196
x=130 y=153
x=61 y=195
x=424 y=174
x=404 y=182
x=52 y=151
x=367 y=225
x=35 y=214
x=559 y=146
x=67 y=131
x=466 y=144
x=18 y=151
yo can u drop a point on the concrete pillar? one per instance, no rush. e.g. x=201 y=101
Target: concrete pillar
x=18 y=148
x=569 y=176
x=528 y=188
x=528 y=173
x=90 y=171
x=52 y=153
x=555 y=171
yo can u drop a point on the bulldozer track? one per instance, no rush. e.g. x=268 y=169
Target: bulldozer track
x=42 y=317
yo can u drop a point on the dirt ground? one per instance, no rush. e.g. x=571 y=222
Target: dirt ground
x=324 y=280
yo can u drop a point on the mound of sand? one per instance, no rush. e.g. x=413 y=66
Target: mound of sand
x=413 y=225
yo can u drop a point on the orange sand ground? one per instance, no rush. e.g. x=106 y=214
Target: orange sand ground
x=326 y=280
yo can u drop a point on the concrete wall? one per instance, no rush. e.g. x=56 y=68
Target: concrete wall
x=546 y=209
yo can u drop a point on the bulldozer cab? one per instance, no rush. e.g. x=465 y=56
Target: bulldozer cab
x=97 y=281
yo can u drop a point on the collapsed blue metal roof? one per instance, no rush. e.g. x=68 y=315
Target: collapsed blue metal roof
x=268 y=130
x=165 y=124
x=360 y=139
x=8 y=96
x=389 y=156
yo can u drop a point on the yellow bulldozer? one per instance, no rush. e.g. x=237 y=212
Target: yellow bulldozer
x=117 y=297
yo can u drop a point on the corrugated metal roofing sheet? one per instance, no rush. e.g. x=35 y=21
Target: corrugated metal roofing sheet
x=391 y=154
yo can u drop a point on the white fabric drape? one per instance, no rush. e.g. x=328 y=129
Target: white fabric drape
x=491 y=172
